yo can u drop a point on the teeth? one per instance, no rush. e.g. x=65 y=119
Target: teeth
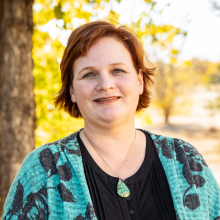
x=99 y=100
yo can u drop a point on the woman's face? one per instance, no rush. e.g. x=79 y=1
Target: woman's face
x=106 y=86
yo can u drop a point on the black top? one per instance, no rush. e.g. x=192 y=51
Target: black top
x=150 y=196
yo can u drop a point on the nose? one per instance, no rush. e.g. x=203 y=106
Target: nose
x=105 y=82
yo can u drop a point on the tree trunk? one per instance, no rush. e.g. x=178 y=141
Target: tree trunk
x=167 y=114
x=17 y=107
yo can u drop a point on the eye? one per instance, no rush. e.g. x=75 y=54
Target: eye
x=89 y=75
x=117 y=71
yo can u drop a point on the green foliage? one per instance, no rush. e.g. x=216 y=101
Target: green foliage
x=51 y=123
x=58 y=12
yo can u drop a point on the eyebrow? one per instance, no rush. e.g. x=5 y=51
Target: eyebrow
x=93 y=67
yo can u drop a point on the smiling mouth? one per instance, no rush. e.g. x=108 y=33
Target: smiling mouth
x=106 y=99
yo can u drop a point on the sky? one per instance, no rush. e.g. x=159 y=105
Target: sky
x=203 y=38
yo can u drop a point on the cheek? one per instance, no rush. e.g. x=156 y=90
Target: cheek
x=82 y=91
x=131 y=87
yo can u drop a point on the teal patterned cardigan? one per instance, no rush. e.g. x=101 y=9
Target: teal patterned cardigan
x=51 y=183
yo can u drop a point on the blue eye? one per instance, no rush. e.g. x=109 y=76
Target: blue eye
x=89 y=75
x=117 y=71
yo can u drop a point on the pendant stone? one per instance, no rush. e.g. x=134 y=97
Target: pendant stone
x=122 y=189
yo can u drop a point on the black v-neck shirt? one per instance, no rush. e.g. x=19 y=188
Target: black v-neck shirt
x=150 y=196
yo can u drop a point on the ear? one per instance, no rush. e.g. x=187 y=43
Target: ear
x=72 y=95
x=141 y=81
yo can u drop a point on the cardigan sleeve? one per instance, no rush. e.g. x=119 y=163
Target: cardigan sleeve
x=194 y=189
x=51 y=184
x=27 y=197
x=203 y=190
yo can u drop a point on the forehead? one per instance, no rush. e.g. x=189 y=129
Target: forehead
x=105 y=51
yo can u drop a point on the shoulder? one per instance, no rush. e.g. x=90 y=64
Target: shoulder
x=52 y=150
x=164 y=145
x=43 y=167
x=189 y=175
x=181 y=157
x=44 y=161
x=175 y=148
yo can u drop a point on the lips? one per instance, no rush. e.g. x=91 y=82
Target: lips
x=106 y=99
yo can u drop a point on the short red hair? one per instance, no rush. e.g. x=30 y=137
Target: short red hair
x=80 y=41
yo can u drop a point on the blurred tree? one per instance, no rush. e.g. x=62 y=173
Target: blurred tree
x=17 y=108
x=214 y=79
x=172 y=85
x=214 y=84
x=205 y=70
x=54 y=21
x=214 y=106
x=174 y=82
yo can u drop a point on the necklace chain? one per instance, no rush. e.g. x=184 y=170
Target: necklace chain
x=105 y=160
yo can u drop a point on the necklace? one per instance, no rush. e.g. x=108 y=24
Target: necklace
x=122 y=189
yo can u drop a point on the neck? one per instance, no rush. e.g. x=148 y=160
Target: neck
x=111 y=141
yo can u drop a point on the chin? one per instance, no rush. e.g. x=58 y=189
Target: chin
x=111 y=117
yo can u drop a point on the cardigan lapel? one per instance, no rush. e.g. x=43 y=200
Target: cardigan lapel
x=82 y=190
x=184 y=190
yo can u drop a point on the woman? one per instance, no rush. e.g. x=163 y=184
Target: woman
x=110 y=170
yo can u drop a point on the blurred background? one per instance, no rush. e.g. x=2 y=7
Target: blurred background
x=181 y=38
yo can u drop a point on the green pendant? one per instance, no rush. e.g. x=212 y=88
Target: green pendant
x=122 y=189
